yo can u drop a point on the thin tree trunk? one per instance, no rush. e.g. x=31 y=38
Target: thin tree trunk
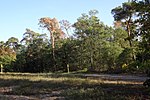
x=67 y=32
x=91 y=61
x=53 y=48
x=130 y=41
x=1 y=68
x=68 y=69
x=129 y=34
x=91 y=54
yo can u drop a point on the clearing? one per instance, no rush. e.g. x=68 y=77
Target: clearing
x=46 y=86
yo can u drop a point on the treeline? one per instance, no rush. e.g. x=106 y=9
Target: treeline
x=92 y=45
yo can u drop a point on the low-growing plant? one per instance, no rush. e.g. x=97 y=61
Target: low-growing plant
x=71 y=87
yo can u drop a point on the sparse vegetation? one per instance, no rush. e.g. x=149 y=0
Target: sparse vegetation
x=69 y=87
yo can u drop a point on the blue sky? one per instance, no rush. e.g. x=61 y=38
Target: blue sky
x=17 y=15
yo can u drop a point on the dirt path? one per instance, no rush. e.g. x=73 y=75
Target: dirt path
x=137 y=78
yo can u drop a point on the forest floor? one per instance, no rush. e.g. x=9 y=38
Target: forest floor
x=46 y=86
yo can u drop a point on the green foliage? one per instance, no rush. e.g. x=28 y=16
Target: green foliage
x=12 y=43
x=143 y=20
x=135 y=19
x=126 y=15
x=123 y=12
x=120 y=36
x=7 y=56
x=98 y=45
x=33 y=55
x=67 y=54
x=94 y=46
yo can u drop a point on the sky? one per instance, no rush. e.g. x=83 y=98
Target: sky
x=17 y=15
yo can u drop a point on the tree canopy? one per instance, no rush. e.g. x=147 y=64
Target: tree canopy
x=90 y=44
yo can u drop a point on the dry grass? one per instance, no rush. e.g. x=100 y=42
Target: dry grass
x=69 y=87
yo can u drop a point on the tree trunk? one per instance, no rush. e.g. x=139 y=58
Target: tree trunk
x=53 y=49
x=1 y=68
x=130 y=41
x=68 y=69
x=91 y=55
x=129 y=34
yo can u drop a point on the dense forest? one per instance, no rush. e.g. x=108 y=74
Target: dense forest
x=87 y=44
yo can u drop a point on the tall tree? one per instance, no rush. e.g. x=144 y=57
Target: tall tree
x=53 y=27
x=31 y=53
x=125 y=14
x=96 y=42
x=86 y=28
x=143 y=31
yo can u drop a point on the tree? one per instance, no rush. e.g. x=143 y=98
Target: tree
x=65 y=25
x=86 y=28
x=33 y=55
x=67 y=55
x=120 y=36
x=143 y=31
x=53 y=27
x=28 y=37
x=13 y=43
x=97 y=47
x=125 y=14
x=7 y=56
